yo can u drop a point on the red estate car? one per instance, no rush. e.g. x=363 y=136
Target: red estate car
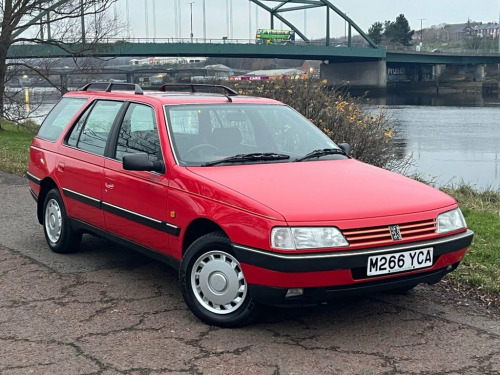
x=252 y=203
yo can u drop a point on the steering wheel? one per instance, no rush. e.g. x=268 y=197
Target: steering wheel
x=200 y=151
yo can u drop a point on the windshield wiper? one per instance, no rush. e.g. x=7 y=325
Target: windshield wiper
x=243 y=158
x=321 y=152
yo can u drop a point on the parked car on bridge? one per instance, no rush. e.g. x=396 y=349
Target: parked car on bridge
x=248 y=200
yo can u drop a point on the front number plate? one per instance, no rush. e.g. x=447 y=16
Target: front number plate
x=399 y=262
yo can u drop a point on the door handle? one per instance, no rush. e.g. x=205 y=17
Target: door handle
x=109 y=185
x=60 y=166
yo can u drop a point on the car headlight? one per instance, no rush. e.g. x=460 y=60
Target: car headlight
x=450 y=221
x=296 y=238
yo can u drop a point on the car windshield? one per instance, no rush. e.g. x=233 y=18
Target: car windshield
x=205 y=135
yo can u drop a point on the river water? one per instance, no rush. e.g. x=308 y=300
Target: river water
x=453 y=138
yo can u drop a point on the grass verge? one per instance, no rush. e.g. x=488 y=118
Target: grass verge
x=480 y=271
x=14 y=149
x=481 y=266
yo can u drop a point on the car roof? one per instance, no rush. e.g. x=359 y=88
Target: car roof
x=170 y=97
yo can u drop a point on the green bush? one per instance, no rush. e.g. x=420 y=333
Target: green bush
x=338 y=115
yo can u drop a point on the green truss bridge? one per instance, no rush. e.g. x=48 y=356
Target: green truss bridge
x=361 y=64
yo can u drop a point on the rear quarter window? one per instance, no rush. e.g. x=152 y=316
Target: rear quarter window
x=57 y=120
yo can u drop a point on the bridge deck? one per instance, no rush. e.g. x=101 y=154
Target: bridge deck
x=306 y=51
x=248 y=50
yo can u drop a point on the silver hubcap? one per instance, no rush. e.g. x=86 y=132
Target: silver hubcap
x=53 y=221
x=218 y=282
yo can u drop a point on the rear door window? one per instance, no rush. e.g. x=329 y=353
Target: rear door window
x=57 y=120
x=92 y=130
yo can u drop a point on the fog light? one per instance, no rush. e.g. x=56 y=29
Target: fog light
x=294 y=292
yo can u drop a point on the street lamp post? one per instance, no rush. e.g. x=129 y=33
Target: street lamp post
x=204 y=23
x=154 y=20
x=146 y=19
x=82 y=21
x=191 y=5
x=421 y=31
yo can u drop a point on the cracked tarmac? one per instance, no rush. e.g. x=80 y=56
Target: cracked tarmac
x=108 y=310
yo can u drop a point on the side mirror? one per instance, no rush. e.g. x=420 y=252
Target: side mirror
x=345 y=147
x=141 y=162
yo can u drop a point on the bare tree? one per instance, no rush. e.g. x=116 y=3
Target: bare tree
x=82 y=23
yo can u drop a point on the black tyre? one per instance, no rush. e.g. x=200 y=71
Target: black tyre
x=59 y=235
x=213 y=284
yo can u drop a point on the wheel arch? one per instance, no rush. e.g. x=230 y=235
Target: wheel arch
x=198 y=228
x=45 y=186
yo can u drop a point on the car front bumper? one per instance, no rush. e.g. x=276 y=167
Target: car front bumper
x=328 y=275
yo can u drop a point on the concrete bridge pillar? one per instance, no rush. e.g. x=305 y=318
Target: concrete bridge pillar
x=63 y=81
x=366 y=75
x=437 y=70
x=480 y=73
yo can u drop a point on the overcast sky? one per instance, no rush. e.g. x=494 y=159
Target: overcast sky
x=246 y=18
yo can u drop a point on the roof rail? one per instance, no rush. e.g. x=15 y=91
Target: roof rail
x=199 y=87
x=108 y=87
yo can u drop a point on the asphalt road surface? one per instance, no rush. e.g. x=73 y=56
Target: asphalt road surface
x=108 y=310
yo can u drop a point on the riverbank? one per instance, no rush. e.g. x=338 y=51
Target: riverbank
x=478 y=275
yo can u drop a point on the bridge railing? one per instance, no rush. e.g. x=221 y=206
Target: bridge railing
x=172 y=40
x=445 y=50
x=227 y=41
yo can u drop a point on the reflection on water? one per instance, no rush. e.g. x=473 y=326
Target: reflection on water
x=445 y=100
x=453 y=138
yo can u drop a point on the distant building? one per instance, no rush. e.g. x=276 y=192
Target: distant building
x=262 y=75
x=455 y=32
x=311 y=67
x=218 y=71
x=167 y=60
x=489 y=30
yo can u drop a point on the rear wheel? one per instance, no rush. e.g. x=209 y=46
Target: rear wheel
x=59 y=234
x=213 y=284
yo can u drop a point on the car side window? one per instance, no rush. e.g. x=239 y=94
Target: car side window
x=139 y=133
x=58 y=118
x=92 y=130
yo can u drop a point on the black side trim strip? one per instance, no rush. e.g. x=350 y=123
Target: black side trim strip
x=149 y=222
x=82 y=198
x=164 y=258
x=290 y=263
x=35 y=197
x=32 y=178
x=162 y=226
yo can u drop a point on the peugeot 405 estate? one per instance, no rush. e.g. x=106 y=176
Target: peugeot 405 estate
x=248 y=200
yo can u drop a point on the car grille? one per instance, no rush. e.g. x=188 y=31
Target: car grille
x=374 y=236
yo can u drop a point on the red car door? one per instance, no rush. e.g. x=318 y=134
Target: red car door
x=80 y=166
x=135 y=202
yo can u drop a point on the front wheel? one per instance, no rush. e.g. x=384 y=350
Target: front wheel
x=213 y=284
x=59 y=234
